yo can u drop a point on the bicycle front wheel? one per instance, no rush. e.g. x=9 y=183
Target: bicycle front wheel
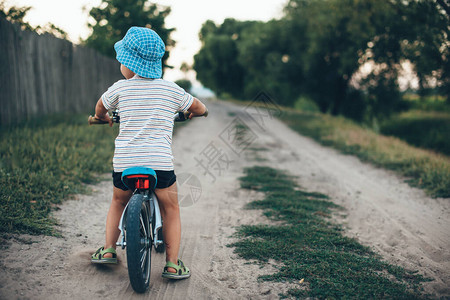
x=139 y=243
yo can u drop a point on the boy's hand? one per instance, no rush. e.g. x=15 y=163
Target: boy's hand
x=101 y=113
x=205 y=114
x=197 y=109
x=105 y=118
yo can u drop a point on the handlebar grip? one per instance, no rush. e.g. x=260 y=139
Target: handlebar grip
x=94 y=121
x=181 y=116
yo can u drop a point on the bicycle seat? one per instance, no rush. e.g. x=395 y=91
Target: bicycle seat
x=139 y=178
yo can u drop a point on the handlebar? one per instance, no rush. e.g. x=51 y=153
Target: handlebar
x=178 y=117
x=184 y=116
x=115 y=118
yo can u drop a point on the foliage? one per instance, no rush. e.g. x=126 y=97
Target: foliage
x=216 y=63
x=270 y=60
x=15 y=14
x=311 y=249
x=318 y=48
x=306 y=104
x=336 y=34
x=52 y=29
x=43 y=162
x=426 y=44
x=427 y=103
x=112 y=18
x=430 y=130
x=186 y=84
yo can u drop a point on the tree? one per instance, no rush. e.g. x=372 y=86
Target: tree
x=186 y=84
x=242 y=58
x=271 y=59
x=15 y=14
x=343 y=35
x=216 y=64
x=112 y=18
x=445 y=6
x=318 y=48
x=427 y=45
x=185 y=68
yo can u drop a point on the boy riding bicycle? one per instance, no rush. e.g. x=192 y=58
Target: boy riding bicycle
x=146 y=105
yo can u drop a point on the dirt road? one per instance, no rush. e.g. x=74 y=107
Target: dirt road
x=399 y=222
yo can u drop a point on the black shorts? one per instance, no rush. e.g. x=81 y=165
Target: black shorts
x=164 y=179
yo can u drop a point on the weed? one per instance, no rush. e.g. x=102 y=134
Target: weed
x=430 y=130
x=429 y=103
x=43 y=162
x=312 y=248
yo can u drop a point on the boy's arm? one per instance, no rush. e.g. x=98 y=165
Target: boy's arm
x=101 y=113
x=197 y=108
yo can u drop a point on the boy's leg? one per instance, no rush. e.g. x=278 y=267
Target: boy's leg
x=118 y=203
x=170 y=212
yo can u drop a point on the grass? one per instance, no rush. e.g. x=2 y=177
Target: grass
x=426 y=124
x=311 y=248
x=428 y=103
x=424 y=169
x=43 y=162
x=430 y=130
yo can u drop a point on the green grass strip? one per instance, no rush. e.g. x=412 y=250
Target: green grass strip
x=425 y=169
x=428 y=130
x=310 y=247
x=43 y=162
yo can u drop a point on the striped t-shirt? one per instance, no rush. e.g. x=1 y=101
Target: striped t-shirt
x=146 y=108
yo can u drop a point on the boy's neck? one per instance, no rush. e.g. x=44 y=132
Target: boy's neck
x=136 y=76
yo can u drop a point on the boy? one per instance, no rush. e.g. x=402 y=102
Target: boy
x=146 y=105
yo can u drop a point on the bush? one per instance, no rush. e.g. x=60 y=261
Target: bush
x=425 y=130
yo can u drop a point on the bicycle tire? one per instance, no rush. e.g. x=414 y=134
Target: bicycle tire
x=139 y=243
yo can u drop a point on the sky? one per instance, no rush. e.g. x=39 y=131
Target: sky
x=186 y=16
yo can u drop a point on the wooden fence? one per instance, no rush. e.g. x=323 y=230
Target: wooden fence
x=41 y=74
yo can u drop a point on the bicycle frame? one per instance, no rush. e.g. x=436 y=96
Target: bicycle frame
x=154 y=213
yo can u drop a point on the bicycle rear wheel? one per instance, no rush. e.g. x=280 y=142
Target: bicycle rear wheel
x=139 y=243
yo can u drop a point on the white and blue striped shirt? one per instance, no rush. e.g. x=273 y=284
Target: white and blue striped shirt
x=146 y=108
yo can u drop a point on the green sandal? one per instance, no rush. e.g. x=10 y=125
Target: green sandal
x=97 y=257
x=182 y=271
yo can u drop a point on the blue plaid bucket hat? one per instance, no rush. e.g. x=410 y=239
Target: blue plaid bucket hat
x=141 y=51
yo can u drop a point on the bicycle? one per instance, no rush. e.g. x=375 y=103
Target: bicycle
x=141 y=223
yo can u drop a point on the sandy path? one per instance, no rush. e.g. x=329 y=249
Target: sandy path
x=399 y=222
